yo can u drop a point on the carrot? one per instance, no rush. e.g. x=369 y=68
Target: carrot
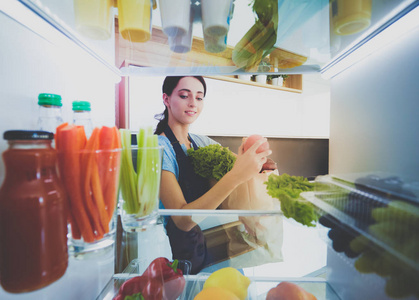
x=108 y=140
x=75 y=231
x=69 y=164
x=117 y=143
x=59 y=127
x=112 y=189
x=86 y=173
x=97 y=195
x=89 y=178
x=81 y=137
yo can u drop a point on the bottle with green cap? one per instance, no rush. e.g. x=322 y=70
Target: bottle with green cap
x=50 y=115
x=81 y=116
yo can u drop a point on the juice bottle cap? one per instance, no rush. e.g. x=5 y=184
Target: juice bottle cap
x=27 y=135
x=81 y=105
x=49 y=99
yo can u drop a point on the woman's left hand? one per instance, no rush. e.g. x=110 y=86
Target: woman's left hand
x=249 y=163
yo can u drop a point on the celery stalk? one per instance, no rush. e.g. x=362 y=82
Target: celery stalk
x=148 y=175
x=140 y=189
x=128 y=175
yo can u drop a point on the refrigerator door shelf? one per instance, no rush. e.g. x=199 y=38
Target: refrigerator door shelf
x=303 y=30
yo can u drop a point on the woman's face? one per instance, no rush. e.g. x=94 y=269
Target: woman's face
x=186 y=101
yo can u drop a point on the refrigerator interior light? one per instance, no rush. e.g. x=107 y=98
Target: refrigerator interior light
x=389 y=34
x=54 y=31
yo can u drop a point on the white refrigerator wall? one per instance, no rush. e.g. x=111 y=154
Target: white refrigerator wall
x=374 y=127
x=31 y=65
x=374 y=122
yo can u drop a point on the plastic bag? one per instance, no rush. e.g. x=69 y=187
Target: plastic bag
x=262 y=234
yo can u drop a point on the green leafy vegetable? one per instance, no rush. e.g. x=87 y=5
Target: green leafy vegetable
x=260 y=39
x=266 y=10
x=212 y=161
x=137 y=296
x=140 y=186
x=287 y=189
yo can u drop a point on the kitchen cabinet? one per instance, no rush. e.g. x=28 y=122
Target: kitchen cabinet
x=294 y=83
x=302 y=31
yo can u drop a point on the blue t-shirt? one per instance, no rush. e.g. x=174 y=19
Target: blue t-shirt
x=169 y=156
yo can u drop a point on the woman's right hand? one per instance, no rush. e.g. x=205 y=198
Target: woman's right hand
x=249 y=163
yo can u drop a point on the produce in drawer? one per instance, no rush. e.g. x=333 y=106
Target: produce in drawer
x=397 y=227
x=173 y=280
x=141 y=288
x=287 y=189
x=378 y=223
x=162 y=280
x=289 y=291
x=213 y=293
x=385 y=209
x=230 y=279
x=398 y=211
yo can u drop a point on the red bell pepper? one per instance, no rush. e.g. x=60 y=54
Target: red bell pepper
x=141 y=286
x=172 y=277
x=162 y=280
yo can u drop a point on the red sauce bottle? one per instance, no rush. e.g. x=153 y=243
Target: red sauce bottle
x=33 y=225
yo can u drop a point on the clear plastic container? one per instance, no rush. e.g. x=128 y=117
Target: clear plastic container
x=50 y=115
x=372 y=220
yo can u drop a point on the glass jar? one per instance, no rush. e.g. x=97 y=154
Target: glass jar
x=33 y=220
x=50 y=115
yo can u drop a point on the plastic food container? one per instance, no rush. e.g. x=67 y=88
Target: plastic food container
x=94 y=18
x=350 y=17
x=372 y=220
x=135 y=20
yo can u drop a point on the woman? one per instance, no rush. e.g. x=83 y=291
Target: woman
x=181 y=188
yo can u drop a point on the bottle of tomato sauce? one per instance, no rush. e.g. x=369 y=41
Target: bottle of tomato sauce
x=33 y=225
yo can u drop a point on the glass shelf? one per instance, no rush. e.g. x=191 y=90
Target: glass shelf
x=309 y=36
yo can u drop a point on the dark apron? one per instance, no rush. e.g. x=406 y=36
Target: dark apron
x=188 y=245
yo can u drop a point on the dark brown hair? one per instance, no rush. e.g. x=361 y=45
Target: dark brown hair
x=169 y=84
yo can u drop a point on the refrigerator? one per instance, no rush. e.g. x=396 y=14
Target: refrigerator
x=346 y=119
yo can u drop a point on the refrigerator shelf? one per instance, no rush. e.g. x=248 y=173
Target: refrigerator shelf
x=257 y=290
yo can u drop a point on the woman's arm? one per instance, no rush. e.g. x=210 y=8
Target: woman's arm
x=247 y=165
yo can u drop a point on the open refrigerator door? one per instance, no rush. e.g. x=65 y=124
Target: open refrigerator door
x=267 y=245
